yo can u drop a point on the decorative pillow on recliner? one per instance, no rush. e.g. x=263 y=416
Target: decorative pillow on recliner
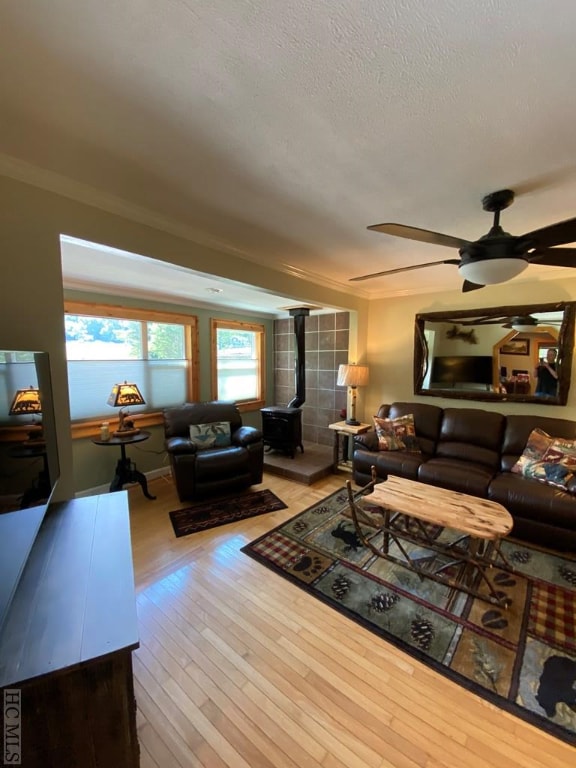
x=216 y=434
x=537 y=445
x=397 y=434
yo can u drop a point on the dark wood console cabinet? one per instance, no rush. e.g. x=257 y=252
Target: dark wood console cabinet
x=66 y=645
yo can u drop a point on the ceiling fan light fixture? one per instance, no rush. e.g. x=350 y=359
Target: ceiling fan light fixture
x=525 y=329
x=492 y=271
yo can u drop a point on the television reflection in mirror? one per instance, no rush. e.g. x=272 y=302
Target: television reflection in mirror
x=492 y=353
x=29 y=464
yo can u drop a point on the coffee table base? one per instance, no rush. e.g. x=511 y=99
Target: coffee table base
x=468 y=558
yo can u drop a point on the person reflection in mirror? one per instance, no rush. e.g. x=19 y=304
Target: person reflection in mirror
x=547 y=376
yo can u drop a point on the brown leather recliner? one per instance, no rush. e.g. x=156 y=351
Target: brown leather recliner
x=214 y=470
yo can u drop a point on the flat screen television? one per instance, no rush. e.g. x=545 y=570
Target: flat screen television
x=29 y=465
x=456 y=370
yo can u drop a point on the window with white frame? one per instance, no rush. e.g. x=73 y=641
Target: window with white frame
x=107 y=345
x=238 y=362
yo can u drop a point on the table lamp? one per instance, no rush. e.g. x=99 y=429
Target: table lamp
x=122 y=396
x=352 y=376
x=28 y=401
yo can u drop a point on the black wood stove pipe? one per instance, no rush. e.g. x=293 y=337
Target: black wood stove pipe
x=299 y=314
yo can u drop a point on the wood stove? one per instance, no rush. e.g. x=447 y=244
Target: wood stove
x=282 y=429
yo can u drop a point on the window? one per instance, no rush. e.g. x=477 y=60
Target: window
x=106 y=345
x=238 y=362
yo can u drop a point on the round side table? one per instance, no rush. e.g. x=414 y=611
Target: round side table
x=126 y=471
x=40 y=489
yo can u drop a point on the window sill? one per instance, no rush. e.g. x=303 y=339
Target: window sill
x=91 y=428
x=250 y=405
x=86 y=429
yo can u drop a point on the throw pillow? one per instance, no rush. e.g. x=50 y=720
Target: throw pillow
x=397 y=434
x=559 y=463
x=537 y=445
x=549 y=460
x=216 y=434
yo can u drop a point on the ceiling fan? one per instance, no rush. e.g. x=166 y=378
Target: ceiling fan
x=497 y=256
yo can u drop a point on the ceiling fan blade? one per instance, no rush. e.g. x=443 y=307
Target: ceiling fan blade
x=487 y=320
x=554 y=257
x=422 y=235
x=403 y=269
x=556 y=234
x=468 y=286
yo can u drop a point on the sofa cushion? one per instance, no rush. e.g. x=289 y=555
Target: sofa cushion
x=471 y=434
x=216 y=434
x=400 y=463
x=397 y=434
x=535 y=501
x=221 y=463
x=456 y=475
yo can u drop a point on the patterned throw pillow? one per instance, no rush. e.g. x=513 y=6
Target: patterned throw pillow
x=537 y=445
x=549 y=460
x=216 y=434
x=397 y=434
x=559 y=463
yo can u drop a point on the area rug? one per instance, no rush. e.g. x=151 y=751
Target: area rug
x=522 y=658
x=213 y=512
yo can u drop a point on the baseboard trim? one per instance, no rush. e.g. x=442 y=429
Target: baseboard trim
x=152 y=475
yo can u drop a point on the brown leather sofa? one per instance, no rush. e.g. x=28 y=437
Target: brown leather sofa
x=217 y=470
x=473 y=451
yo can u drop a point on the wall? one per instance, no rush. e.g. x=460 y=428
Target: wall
x=381 y=334
x=31 y=293
x=486 y=337
x=327 y=339
x=390 y=342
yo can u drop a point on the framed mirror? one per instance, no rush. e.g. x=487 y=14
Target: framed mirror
x=518 y=353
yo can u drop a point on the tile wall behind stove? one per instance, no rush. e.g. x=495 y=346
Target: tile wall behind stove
x=327 y=338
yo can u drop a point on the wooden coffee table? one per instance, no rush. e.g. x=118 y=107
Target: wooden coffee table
x=405 y=509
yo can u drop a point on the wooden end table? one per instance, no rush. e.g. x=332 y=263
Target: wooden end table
x=126 y=471
x=344 y=430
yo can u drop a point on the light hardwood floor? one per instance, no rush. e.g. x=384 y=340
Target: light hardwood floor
x=237 y=667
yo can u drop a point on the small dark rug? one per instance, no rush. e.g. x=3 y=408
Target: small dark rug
x=521 y=658
x=213 y=512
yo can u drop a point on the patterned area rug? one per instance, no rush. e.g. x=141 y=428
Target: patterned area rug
x=213 y=512
x=522 y=658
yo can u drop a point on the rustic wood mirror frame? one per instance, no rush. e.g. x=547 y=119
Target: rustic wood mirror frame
x=565 y=346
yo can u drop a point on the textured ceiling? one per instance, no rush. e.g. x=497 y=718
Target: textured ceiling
x=280 y=129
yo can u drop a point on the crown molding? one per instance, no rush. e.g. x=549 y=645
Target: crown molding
x=20 y=170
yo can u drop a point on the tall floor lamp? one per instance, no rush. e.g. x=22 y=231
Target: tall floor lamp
x=352 y=376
